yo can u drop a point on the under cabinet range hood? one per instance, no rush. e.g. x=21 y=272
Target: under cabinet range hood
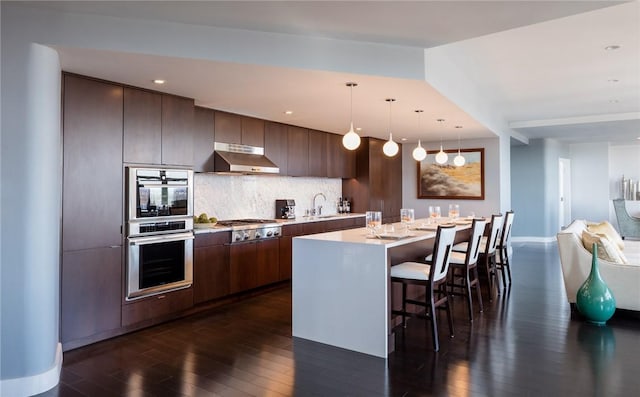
x=241 y=159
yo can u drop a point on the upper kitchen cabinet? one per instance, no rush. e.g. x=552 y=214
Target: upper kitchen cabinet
x=177 y=130
x=341 y=162
x=378 y=182
x=158 y=128
x=234 y=128
x=297 y=151
x=252 y=131
x=92 y=170
x=317 y=162
x=203 y=138
x=142 y=126
x=276 y=144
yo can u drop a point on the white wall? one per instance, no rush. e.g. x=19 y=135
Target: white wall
x=253 y=196
x=590 y=181
x=492 y=162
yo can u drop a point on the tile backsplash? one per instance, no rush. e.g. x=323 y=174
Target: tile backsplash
x=254 y=196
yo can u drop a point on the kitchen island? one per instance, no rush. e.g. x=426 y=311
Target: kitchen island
x=341 y=286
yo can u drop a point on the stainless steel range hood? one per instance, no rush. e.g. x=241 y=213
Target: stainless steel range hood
x=241 y=159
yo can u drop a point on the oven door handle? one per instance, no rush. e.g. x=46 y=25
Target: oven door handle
x=162 y=238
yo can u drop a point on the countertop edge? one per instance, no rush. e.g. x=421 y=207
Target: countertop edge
x=285 y=222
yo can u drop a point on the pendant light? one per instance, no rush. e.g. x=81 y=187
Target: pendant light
x=390 y=148
x=419 y=153
x=459 y=160
x=351 y=140
x=441 y=157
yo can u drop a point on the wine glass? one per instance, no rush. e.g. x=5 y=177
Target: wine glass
x=454 y=211
x=407 y=217
x=374 y=221
x=434 y=213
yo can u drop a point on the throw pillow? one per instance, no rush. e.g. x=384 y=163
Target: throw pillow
x=607 y=229
x=607 y=251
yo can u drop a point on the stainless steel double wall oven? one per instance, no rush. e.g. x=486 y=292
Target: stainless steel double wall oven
x=159 y=230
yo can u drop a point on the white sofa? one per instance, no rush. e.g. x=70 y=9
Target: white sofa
x=622 y=279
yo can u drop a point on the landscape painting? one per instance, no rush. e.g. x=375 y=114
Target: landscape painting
x=448 y=181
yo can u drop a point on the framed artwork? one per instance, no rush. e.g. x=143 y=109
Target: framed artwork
x=448 y=181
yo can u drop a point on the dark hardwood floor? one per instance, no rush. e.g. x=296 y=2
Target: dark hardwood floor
x=526 y=343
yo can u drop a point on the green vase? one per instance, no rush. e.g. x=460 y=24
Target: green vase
x=594 y=299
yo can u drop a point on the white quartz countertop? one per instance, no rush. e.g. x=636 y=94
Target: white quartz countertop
x=419 y=231
x=283 y=222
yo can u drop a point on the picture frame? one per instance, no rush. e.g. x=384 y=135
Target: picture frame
x=448 y=181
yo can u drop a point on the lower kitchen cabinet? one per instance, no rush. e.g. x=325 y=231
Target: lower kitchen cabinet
x=211 y=278
x=267 y=261
x=254 y=264
x=156 y=307
x=91 y=292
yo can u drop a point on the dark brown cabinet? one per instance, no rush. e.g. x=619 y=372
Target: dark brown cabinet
x=211 y=276
x=252 y=131
x=254 y=264
x=203 y=138
x=177 y=130
x=378 y=182
x=276 y=145
x=242 y=262
x=267 y=261
x=157 y=128
x=91 y=279
x=92 y=155
x=90 y=292
x=156 y=308
x=142 y=126
x=234 y=128
x=341 y=163
x=317 y=161
x=297 y=151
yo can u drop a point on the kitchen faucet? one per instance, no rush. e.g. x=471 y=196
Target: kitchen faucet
x=319 y=210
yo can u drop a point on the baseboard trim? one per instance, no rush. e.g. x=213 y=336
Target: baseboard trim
x=34 y=384
x=535 y=240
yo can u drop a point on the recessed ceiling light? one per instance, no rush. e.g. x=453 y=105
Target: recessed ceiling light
x=613 y=101
x=612 y=47
x=613 y=80
x=158 y=81
x=403 y=139
x=358 y=128
x=288 y=112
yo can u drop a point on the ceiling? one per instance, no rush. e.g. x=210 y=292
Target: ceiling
x=540 y=65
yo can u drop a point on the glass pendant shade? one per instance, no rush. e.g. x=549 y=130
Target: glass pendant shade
x=351 y=140
x=441 y=157
x=390 y=148
x=459 y=160
x=419 y=153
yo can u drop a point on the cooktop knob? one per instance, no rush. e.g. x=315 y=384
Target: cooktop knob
x=237 y=238
x=245 y=236
x=275 y=233
x=257 y=234
x=269 y=233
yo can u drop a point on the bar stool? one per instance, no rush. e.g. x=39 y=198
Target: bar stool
x=502 y=255
x=464 y=267
x=433 y=277
x=488 y=248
